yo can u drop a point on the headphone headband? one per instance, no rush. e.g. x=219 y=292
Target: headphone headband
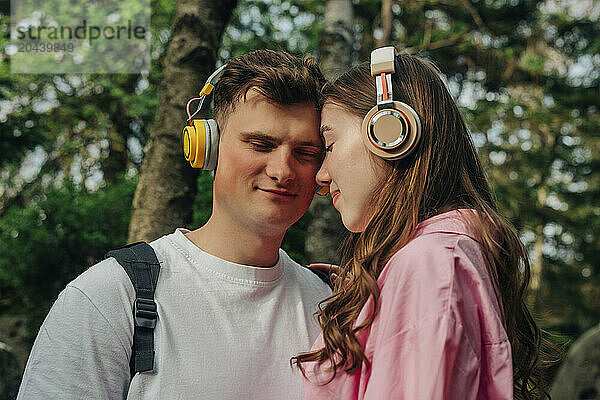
x=212 y=81
x=382 y=68
x=382 y=60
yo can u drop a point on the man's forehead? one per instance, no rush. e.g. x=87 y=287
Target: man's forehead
x=254 y=96
x=258 y=115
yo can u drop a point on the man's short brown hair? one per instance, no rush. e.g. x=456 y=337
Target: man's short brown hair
x=279 y=76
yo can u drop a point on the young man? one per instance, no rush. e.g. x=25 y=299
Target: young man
x=233 y=308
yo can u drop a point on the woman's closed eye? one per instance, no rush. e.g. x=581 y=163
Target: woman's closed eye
x=309 y=155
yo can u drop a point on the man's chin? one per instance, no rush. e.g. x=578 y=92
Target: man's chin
x=280 y=217
x=278 y=223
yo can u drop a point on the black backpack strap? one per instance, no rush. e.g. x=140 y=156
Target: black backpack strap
x=142 y=267
x=323 y=275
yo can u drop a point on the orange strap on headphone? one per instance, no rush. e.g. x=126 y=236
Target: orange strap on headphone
x=384 y=89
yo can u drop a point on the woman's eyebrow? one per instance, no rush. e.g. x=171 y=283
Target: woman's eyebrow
x=310 y=144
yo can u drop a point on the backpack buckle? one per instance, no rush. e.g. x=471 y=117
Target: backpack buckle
x=144 y=313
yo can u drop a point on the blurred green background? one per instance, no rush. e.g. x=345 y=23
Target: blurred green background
x=525 y=73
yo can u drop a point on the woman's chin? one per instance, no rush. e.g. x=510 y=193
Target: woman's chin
x=353 y=226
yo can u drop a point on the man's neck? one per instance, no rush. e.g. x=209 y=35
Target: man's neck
x=236 y=245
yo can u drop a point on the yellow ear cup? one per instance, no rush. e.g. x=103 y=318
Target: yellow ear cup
x=194 y=143
x=391 y=133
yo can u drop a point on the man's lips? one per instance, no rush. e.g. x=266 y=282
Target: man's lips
x=279 y=192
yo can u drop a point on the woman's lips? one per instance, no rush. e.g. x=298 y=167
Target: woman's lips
x=334 y=195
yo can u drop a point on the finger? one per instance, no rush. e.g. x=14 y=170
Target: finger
x=324 y=267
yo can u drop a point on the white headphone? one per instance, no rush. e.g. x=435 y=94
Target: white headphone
x=391 y=129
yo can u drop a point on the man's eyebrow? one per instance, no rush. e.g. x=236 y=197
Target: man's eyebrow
x=259 y=135
x=263 y=136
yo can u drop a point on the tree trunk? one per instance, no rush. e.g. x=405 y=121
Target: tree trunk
x=579 y=375
x=386 y=24
x=537 y=267
x=167 y=184
x=335 y=47
x=10 y=373
x=325 y=231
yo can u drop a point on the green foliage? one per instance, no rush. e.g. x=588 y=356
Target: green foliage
x=294 y=240
x=54 y=238
x=72 y=116
x=292 y=25
x=66 y=142
x=203 y=202
x=526 y=74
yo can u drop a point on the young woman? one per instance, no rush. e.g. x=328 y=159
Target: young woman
x=429 y=303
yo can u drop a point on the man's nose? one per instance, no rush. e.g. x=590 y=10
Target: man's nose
x=280 y=167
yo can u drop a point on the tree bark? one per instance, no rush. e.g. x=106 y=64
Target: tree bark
x=10 y=373
x=579 y=375
x=386 y=24
x=326 y=230
x=167 y=184
x=335 y=46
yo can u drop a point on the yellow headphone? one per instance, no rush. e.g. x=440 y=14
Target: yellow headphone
x=391 y=129
x=201 y=136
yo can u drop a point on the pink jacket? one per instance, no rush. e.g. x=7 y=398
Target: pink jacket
x=438 y=334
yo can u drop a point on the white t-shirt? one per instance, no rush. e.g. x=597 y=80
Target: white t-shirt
x=224 y=330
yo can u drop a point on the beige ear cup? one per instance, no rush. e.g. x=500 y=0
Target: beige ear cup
x=391 y=133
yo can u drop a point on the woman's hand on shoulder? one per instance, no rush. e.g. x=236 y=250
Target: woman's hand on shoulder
x=333 y=270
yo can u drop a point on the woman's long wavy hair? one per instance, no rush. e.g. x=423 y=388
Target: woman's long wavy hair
x=443 y=174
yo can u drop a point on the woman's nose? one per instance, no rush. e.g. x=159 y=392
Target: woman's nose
x=322 y=176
